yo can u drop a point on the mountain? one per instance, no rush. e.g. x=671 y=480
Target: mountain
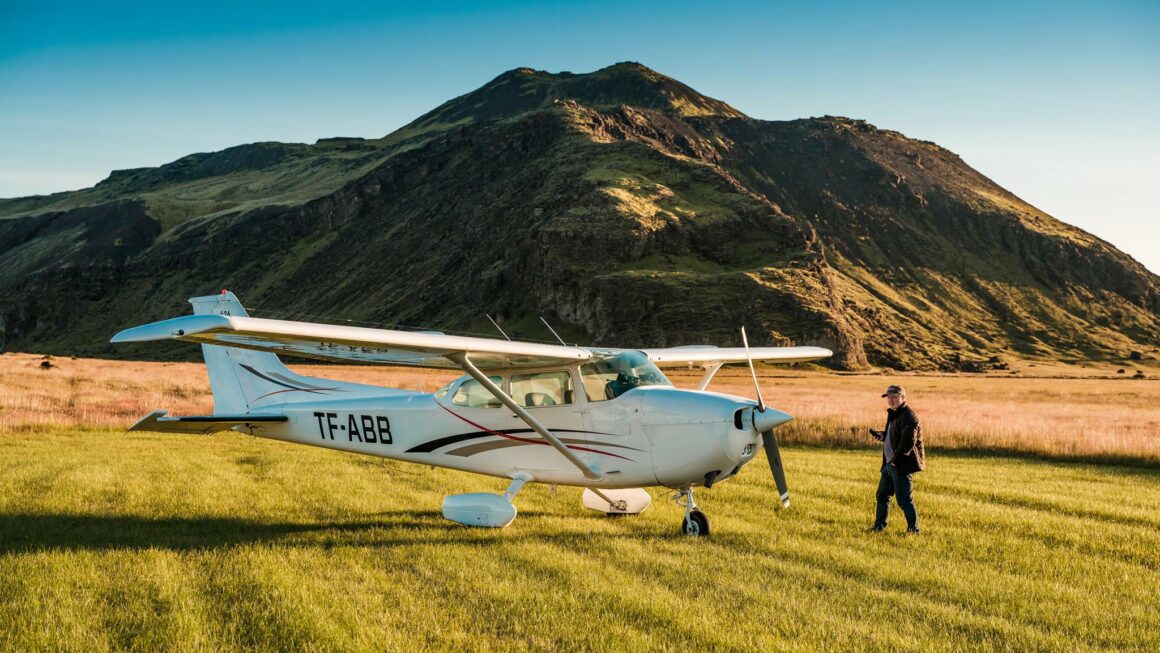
x=624 y=206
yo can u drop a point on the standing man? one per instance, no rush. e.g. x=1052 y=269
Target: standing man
x=902 y=458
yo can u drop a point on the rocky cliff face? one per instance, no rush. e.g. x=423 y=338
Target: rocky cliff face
x=621 y=204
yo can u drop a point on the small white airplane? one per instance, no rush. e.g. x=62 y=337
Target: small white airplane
x=606 y=420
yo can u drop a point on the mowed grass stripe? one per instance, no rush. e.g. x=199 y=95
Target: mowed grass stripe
x=1020 y=542
x=860 y=569
x=111 y=541
x=1086 y=491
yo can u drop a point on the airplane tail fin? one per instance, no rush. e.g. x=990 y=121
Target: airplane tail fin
x=243 y=379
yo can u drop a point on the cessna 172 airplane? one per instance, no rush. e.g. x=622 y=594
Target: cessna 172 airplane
x=606 y=420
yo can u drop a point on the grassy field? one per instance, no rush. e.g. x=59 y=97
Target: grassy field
x=151 y=542
x=115 y=541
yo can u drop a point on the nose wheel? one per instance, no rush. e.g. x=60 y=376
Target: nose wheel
x=695 y=522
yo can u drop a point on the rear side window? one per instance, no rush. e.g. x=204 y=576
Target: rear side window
x=473 y=395
x=542 y=389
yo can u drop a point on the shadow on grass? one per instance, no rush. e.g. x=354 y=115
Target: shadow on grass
x=1112 y=463
x=24 y=532
x=1146 y=465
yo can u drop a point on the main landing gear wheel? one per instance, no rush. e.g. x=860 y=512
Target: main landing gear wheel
x=695 y=523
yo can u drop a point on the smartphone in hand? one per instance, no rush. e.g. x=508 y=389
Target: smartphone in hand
x=878 y=435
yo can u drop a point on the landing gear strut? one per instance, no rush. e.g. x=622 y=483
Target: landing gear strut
x=695 y=522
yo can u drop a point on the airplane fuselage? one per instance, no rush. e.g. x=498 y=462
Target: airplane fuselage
x=699 y=433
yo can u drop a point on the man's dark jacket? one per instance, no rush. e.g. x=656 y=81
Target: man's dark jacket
x=906 y=439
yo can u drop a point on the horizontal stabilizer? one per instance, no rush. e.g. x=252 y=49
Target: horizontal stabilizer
x=200 y=424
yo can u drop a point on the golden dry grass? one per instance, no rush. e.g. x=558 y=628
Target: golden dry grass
x=92 y=393
x=1072 y=418
x=1088 y=417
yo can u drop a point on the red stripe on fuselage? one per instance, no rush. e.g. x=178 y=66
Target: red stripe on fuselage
x=528 y=440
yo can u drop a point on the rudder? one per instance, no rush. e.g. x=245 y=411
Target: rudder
x=238 y=377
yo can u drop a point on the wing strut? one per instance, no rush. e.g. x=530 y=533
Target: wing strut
x=711 y=368
x=461 y=359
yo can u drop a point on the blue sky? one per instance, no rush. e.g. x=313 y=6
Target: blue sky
x=1059 y=102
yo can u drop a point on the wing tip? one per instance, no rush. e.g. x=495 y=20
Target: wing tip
x=172 y=329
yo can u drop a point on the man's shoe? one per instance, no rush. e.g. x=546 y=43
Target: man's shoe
x=876 y=528
x=912 y=531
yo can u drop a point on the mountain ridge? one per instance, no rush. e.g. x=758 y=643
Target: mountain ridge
x=623 y=204
x=525 y=89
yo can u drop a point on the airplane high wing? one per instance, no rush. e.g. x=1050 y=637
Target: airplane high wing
x=706 y=355
x=346 y=343
x=711 y=358
x=423 y=349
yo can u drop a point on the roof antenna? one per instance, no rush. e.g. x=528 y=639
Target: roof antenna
x=553 y=331
x=496 y=326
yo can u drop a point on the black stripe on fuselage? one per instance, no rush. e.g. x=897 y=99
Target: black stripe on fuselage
x=428 y=447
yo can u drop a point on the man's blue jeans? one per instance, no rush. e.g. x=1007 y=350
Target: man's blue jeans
x=901 y=486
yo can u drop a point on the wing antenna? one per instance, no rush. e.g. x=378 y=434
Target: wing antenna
x=553 y=331
x=493 y=322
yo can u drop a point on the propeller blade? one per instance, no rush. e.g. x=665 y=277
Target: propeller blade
x=752 y=372
x=774 y=455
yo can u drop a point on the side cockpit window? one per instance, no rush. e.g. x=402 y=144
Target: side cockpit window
x=542 y=389
x=471 y=394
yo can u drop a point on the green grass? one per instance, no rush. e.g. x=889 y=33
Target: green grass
x=152 y=542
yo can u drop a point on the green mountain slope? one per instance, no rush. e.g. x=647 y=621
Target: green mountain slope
x=621 y=204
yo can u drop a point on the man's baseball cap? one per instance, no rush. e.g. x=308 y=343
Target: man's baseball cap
x=895 y=390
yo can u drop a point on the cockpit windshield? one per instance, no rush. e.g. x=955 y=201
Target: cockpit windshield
x=611 y=377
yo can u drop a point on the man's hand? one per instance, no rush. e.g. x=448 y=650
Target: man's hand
x=877 y=435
